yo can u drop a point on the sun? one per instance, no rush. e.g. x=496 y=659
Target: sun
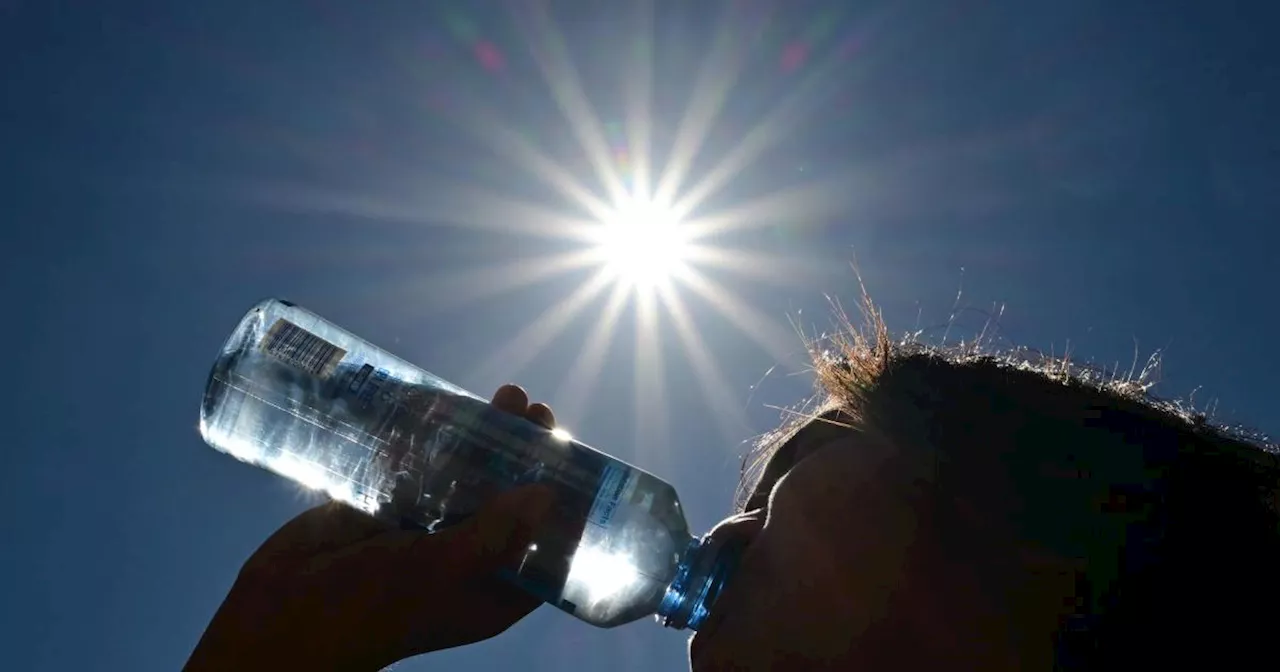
x=641 y=243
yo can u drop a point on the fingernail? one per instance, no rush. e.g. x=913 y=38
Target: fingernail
x=511 y=398
x=541 y=414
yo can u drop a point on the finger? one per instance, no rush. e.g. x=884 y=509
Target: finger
x=512 y=399
x=503 y=597
x=318 y=530
x=496 y=536
x=500 y=603
x=489 y=608
x=370 y=576
x=541 y=414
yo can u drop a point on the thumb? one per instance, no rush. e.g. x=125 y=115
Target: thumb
x=496 y=535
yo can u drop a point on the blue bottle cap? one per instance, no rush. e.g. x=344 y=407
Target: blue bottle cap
x=704 y=571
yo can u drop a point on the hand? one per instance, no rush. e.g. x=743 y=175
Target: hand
x=335 y=589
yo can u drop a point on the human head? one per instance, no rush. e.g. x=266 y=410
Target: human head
x=958 y=508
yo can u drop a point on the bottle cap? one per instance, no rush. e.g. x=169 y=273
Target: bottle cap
x=707 y=566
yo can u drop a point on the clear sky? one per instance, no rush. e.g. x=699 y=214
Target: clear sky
x=1106 y=170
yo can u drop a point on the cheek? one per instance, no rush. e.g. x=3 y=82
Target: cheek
x=797 y=562
x=788 y=607
x=828 y=571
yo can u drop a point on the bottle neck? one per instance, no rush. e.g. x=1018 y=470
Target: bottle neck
x=704 y=570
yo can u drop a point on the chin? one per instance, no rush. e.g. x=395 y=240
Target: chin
x=719 y=654
x=700 y=653
x=696 y=650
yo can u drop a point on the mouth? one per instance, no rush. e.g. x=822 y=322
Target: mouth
x=748 y=525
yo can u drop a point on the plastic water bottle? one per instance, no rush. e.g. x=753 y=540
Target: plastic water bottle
x=299 y=396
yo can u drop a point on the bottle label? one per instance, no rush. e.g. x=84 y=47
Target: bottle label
x=298 y=347
x=616 y=485
x=367 y=382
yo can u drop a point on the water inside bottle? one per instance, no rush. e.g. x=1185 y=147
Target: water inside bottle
x=315 y=404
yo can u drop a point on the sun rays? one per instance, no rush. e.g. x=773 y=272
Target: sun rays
x=638 y=230
x=645 y=236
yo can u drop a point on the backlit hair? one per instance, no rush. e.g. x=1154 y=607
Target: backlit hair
x=1196 y=573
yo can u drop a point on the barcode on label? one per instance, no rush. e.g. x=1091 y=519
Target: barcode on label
x=294 y=345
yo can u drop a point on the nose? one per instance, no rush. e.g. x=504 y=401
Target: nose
x=744 y=526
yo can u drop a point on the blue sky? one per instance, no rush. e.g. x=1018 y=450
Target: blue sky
x=1106 y=171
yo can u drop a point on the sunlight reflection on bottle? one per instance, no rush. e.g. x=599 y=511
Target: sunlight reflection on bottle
x=307 y=474
x=600 y=574
x=345 y=492
x=238 y=447
x=315 y=477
